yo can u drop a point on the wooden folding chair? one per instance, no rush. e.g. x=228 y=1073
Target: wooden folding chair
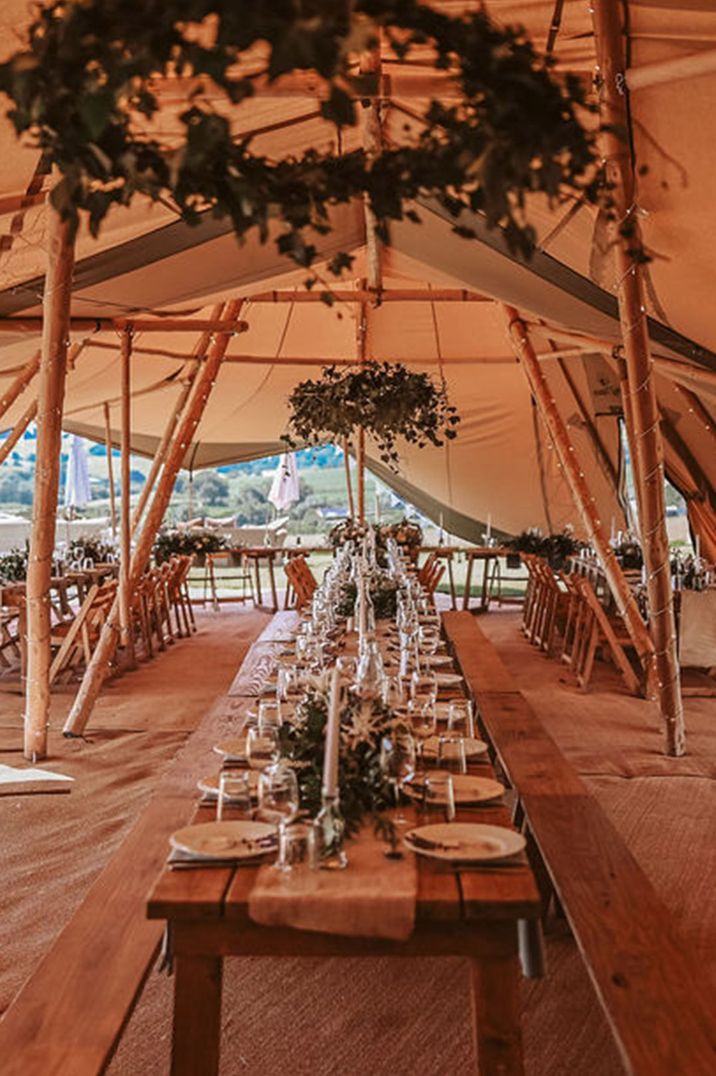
x=302 y=579
x=595 y=628
x=76 y=638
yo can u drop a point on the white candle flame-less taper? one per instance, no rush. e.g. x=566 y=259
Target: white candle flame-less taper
x=362 y=609
x=333 y=736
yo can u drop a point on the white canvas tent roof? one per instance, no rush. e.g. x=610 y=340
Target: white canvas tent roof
x=146 y=260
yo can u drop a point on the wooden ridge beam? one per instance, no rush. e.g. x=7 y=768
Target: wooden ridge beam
x=375 y=295
x=135 y=325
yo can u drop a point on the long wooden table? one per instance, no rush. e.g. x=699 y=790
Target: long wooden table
x=482 y=914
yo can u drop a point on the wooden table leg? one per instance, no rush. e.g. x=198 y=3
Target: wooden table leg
x=259 y=595
x=468 y=582
x=451 y=578
x=485 y=598
x=272 y=578
x=496 y=1003
x=197 y=1015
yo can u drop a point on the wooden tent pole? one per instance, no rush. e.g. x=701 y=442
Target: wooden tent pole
x=626 y=602
x=125 y=597
x=349 y=484
x=17 y=431
x=20 y=383
x=626 y=234
x=104 y=651
x=178 y=409
x=110 y=469
x=53 y=368
x=631 y=441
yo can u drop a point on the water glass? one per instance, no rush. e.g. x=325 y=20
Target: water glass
x=439 y=791
x=452 y=755
x=278 y=794
x=234 y=793
x=429 y=638
x=269 y=715
x=296 y=848
x=459 y=718
x=424 y=686
x=423 y=719
x=262 y=747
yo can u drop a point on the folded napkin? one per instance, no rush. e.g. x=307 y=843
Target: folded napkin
x=373 y=897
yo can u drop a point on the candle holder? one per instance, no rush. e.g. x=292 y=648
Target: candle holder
x=329 y=828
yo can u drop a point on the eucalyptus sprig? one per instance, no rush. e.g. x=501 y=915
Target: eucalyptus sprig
x=388 y=400
x=364 y=791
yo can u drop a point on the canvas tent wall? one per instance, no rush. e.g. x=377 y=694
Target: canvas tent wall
x=148 y=261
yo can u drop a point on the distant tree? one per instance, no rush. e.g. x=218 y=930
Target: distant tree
x=211 y=488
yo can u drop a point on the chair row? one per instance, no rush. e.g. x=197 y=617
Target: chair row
x=563 y=616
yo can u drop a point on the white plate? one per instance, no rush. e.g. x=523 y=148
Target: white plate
x=233 y=750
x=436 y=661
x=447 y=679
x=467 y=842
x=468 y=789
x=473 y=748
x=210 y=785
x=224 y=840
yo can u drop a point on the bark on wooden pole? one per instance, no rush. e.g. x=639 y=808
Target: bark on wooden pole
x=18 y=430
x=20 y=383
x=625 y=600
x=349 y=484
x=178 y=409
x=110 y=470
x=104 y=652
x=53 y=368
x=125 y=597
x=649 y=460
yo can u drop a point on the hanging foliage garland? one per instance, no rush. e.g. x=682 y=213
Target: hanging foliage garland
x=388 y=400
x=87 y=87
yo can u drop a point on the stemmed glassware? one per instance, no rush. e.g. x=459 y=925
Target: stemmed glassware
x=397 y=761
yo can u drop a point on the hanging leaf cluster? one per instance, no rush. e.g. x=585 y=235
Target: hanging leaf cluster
x=388 y=400
x=87 y=89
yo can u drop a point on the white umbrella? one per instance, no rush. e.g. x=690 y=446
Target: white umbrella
x=77 y=485
x=285 y=489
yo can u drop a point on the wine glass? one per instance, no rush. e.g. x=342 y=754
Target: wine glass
x=429 y=638
x=423 y=721
x=397 y=762
x=262 y=747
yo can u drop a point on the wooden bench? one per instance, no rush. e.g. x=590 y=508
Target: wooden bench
x=647 y=982
x=70 y=1014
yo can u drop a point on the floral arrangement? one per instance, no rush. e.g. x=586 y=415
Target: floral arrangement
x=383 y=590
x=386 y=399
x=194 y=541
x=351 y=530
x=363 y=788
x=89 y=547
x=553 y=547
x=406 y=532
x=13 y=566
x=629 y=554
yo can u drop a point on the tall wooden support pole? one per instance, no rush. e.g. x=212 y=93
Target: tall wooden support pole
x=361 y=334
x=17 y=431
x=178 y=409
x=105 y=649
x=626 y=602
x=50 y=398
x=110 y=470
x=20 y=383
x=644 y=408
x=349 y=484
x=125 y=598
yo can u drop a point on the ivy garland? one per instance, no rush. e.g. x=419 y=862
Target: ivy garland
x=386 y=399
x=85 y=88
